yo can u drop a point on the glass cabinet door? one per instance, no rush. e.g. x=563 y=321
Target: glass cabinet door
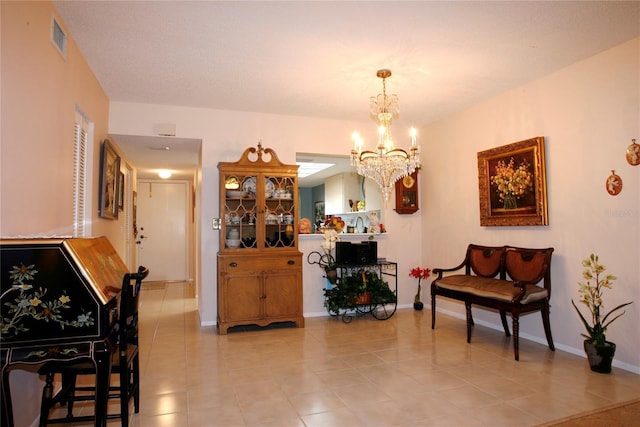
x=258 y=216
x=240 y=212
x=279 y=211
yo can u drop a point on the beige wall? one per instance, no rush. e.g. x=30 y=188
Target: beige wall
x=40 y=91
x=588 y=114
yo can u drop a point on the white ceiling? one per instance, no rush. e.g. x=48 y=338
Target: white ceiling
x=319 y=59
x=149 y=154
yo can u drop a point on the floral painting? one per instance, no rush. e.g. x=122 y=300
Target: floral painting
x=512 y=184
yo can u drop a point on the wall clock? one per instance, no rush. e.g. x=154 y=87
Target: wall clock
x=407 y=194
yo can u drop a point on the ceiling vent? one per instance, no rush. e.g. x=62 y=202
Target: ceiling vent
x=58 y=37
x=165 y=129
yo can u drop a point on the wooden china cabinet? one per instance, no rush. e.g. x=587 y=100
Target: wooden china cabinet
x=259 y=265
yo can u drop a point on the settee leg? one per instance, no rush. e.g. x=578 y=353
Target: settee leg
x=469 y=320
x=516 y=336
x=547 y=325
x=433 y=311
x=505 y=325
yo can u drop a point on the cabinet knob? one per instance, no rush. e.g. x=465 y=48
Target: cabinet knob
x=291 y=262
x=233 y=264
x=263 y=297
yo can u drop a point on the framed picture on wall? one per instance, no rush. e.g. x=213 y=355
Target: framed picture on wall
x=120 y=191
x=109 y=181
x=318 y=214
x=512 y=184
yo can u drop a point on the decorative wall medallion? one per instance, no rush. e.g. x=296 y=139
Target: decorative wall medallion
x=633 y=153
x=614 y=184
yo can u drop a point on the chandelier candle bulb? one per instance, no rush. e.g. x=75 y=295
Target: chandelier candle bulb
x=357 y=142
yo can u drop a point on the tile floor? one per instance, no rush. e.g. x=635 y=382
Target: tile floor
x=396 y=372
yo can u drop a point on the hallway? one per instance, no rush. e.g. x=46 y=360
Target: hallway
x=367 y=373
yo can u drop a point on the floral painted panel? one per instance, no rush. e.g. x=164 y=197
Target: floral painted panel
x=44 y=297
x=38 y=354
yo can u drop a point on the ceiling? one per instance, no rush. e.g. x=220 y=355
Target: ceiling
x=319 y=58
x=149 y=154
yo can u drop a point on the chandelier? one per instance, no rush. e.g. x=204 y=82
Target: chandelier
x=386 y=164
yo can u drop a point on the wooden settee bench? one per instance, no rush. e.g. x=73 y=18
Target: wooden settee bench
x=504 y=278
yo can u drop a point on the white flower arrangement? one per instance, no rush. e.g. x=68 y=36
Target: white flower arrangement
x=328 y=245
x=325 y=259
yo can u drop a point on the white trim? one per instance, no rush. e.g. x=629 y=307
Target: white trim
x=82 y=172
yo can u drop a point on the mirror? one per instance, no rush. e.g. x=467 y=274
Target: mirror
x=329 y=185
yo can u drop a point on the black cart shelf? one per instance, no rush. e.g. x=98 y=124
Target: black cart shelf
x=363 y=289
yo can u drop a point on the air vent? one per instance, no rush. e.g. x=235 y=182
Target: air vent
x=58 y=37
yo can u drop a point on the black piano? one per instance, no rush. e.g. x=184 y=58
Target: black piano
x=59 y=302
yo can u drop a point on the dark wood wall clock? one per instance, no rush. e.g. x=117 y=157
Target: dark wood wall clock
x=407 y=194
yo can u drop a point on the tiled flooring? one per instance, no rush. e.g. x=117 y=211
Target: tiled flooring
x=396 y=372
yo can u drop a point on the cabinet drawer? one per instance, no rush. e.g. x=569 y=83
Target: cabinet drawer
x=243 y=264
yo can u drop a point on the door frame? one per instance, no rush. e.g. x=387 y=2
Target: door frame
x=188 y=217
x=130 y=253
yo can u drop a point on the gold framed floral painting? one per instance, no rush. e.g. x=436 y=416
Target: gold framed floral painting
x=109 y=170
x=513 y=185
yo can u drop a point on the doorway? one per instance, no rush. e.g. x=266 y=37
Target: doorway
x=164 y=232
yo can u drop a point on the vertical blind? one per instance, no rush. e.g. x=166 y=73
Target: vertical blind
x=81 y=131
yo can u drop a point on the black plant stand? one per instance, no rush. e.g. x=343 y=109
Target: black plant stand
x=350 y=305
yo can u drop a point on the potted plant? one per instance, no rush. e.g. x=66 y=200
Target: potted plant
x=377 y=289
x=360 y=288
x=419 y=273
x=599 y=351
x=343 y=296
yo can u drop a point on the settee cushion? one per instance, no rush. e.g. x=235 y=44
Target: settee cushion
x=502 y=290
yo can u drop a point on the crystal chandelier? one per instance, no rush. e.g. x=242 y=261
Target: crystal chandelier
x=386 y=164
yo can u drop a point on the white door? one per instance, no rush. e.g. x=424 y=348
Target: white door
x=162 y=224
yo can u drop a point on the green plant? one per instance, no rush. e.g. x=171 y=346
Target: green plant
x=591 y=296
x=335 y=300
x=380 y=291
x=344 y=295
